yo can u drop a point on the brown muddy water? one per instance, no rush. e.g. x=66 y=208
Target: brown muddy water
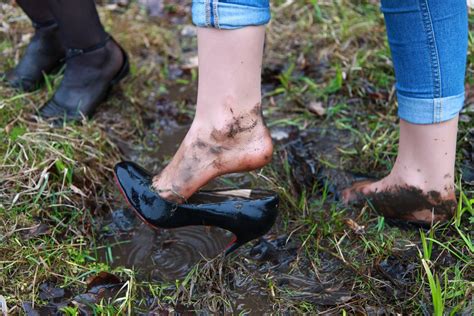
x=169 y=255
x=164 y=255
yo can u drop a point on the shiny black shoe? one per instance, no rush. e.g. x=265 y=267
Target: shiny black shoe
x=248 y=214
x=89 y=76
x=44 y=55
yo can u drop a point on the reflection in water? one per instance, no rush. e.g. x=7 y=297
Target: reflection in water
x=159 y=255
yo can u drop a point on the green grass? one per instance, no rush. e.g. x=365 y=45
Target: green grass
x=331 y=52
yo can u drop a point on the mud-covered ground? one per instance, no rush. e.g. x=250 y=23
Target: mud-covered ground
x=69 y=244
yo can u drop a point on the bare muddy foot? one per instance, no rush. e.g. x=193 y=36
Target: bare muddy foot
x=398 y=200
x=240 y=142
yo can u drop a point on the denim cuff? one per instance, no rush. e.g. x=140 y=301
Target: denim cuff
x=429 y=111
x=229 y=16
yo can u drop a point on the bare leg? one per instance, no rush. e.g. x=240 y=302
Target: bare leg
x=228 y=133
x=422 y=179
x=430 y=91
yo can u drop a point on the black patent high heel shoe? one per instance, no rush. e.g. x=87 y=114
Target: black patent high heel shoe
x=248 y=214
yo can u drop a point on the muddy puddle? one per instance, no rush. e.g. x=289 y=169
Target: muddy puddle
x=164 y=255
x=169 y=255
x=159 y=255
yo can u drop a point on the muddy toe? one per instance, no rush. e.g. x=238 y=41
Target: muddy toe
x=356 y=193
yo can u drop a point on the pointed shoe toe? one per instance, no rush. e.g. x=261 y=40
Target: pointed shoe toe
x=135 y=183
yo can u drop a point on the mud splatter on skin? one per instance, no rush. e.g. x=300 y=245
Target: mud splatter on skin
x=236 y=128
x=211 y=155
x=217 y=150
x=212 y=149
x=186 y=175
x=204 y=149
x=448 y=188
x=410 y=203
x=200 y=144
x=239 y=124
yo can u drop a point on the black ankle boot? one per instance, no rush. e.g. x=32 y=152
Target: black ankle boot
x=89 y=75
x=44 y=54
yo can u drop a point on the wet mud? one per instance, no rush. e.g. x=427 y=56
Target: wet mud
x=314 y=157
x=166 y=255
x=238 y=126
x=410 y=204
x=101 y=287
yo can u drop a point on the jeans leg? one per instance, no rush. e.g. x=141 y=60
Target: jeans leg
x=230 y=14
x=428 y=41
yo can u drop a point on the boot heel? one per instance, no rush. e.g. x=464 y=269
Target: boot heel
x=124 y=71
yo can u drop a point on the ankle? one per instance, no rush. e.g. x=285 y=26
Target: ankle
x=230 y=120
x=217 y=107
x=424 y=178
x=106 y=59
x=233 y=140
x=49 y=36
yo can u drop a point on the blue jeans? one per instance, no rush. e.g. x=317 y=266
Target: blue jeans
x=230 y=14
x=428 y=41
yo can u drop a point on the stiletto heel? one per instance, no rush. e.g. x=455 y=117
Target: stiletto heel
x=233 y=247
x=248 y=214
x=237 y=243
